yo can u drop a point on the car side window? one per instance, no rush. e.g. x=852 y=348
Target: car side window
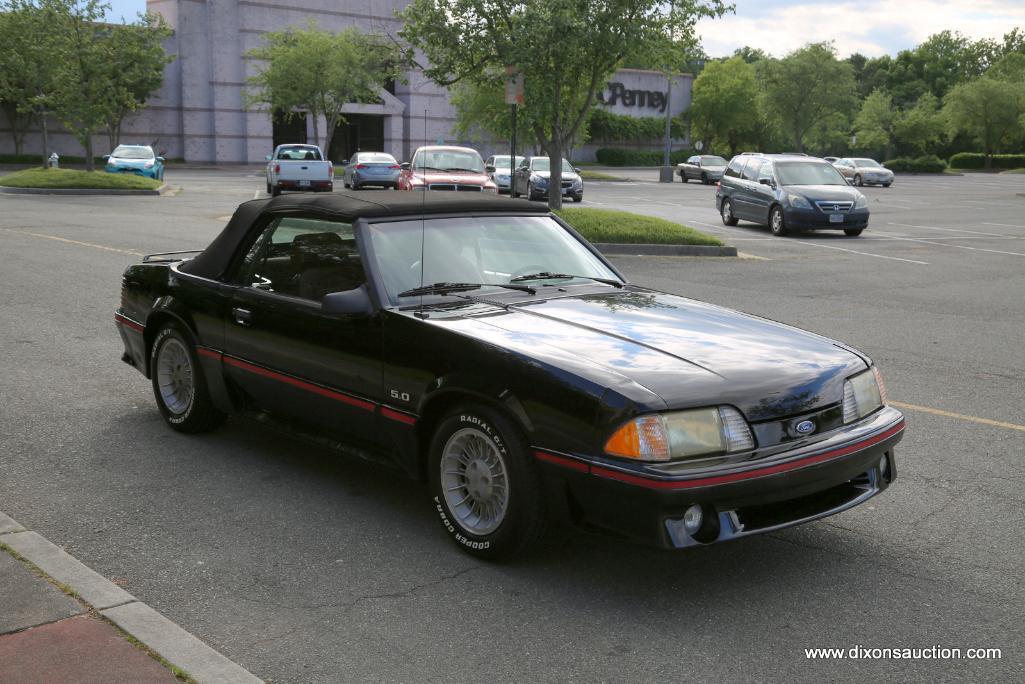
x=694 y=160
x=735 y=167
x=765 y=173
x=305 y=258
x=752 y=168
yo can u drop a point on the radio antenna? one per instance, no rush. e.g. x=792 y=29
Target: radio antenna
x=423 y=222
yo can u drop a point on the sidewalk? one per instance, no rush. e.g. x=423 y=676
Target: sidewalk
x=61 y=622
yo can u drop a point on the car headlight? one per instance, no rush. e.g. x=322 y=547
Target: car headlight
x=798 y=202
x=681 y=434
x=861 y=202
x=863 y=394
x=148 y=165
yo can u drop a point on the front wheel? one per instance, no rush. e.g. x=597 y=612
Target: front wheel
x=886 y=185
x=726 y=211
x=777 y=223
x=578 y=198
x=179 y=384
x=683 y=177
x=704 y=179
x=485 y=488
x=852 y=232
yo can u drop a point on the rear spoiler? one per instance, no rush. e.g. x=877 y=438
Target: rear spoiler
x=170 y=257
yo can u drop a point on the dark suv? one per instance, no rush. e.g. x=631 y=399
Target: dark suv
x=789 y=192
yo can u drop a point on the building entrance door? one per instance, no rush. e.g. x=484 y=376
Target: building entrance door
x=359 y=133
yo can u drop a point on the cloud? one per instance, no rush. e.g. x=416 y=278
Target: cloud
x=871 y=27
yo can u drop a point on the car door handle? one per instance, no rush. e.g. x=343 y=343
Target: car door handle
x=242 y=316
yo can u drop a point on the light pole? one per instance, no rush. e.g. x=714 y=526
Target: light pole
x=665 y=174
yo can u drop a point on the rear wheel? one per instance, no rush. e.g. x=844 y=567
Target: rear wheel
x=683 y=176
x=275 y=191
x=726 y=211
x=485 y=487
x=886 y=185
x=852 y=232
x=777 y=223
x=704 y=179
x=857 y=180
x=179 y=385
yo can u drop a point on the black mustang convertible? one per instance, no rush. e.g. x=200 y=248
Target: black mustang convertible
x=482 y=345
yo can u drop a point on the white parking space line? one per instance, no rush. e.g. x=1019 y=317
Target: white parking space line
x=949 y=230
x=1005 y=225
x=943 y=244
x=854 y=251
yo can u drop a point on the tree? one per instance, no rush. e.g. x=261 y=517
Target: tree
x=988 y=110
x=81 y=95
x=27 y=67
x=721 y=103
x=135 y=68
x=806 y=89
x=876 y=123
x=481 y=111
x=920 y=126
x=565 y=49
x=321 y=72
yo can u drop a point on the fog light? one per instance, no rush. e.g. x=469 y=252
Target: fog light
x=692 y=519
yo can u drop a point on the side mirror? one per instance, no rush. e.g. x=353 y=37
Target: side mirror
x=406 y=166
x=850 y=181
x=269 y=157
x=489 y=169
x=577 y=169
x=160 y=159
x=349 y=303
x=345 y=162
x=697 y=162
x=767 y=181
x=106 y=156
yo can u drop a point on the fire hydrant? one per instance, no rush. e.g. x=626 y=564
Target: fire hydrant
x=55 y=161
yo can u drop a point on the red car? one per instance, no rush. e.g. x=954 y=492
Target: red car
x=440 y=167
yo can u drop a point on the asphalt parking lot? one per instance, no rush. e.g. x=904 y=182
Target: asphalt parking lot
x=305 y=568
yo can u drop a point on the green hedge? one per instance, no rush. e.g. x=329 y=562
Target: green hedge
x=977 y=160
x=607 y=127
x=616 y=156
x=929 y=164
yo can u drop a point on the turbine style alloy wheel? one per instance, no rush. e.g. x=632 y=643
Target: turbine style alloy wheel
x=475 y=481
x=175 y=377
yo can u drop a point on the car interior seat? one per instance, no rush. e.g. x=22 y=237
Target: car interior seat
x=325 y=263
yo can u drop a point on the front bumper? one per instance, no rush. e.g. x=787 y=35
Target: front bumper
x=738 y=500
x=151 y=172
x=570 y=191
x=815 y=219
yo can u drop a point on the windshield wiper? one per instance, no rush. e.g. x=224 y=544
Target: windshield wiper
x=445 y=288
x=456 y=168
x=548 y=275
x=428 y=168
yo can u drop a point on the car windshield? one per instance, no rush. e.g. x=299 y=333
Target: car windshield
x=299 y=153
x=376 y=157
x=713 y=161
x=502 y=162
x=867 y=163
x=483 y=249
x=544 y=164
x=808 y=173
x=449 y=160
x=125 y=152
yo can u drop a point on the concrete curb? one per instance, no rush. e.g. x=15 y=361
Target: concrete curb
x=619 y=249
x=153 y=630
x=84 y=191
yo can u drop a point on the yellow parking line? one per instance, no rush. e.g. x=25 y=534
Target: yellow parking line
x=958 y=416
x=74 y=242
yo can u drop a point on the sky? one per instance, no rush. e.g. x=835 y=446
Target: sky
x=871 y=27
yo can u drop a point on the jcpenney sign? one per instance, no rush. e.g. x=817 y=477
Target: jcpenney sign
x=617 y=93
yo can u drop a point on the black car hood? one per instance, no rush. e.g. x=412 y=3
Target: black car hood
x=686 y=352
x=824 y=192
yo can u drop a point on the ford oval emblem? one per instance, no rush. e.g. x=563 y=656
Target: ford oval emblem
x=805 y=427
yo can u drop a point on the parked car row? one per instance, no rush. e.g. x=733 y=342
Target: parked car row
x=432 y=168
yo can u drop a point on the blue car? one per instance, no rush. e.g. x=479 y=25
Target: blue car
x=371 y=168
x=137 y=159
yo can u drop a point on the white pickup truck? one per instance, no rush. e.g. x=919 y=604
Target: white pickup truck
x=299 y=167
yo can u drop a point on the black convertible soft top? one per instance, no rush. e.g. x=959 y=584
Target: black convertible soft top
x=213 y=261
